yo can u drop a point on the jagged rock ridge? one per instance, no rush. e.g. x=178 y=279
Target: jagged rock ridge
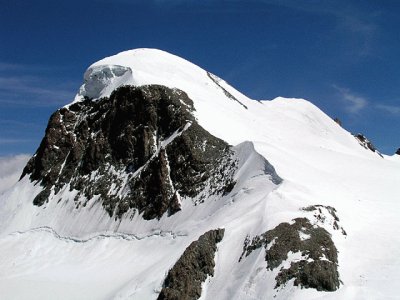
x=366 y=143
x=185 y=278
x=141 y=148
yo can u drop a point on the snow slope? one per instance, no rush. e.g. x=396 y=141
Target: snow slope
x=319 y=162
x=10 y=170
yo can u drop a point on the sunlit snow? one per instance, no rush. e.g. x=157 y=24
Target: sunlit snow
x=64 y=253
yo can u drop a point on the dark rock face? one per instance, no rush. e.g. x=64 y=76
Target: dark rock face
x=366 y=143
x=338 y=121
x=321 y=275
x=318 y=267
x=398 y=151
x=184 y=280
x=141 y=149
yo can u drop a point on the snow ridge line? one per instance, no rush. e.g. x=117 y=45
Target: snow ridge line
x=115 y=235
x=216 y=80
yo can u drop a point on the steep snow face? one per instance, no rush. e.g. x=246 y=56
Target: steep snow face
x=321 y=165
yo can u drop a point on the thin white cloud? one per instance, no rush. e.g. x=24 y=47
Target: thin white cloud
x=26 y=90
x=392 y=109
x=350 y=19
x=13 y=67
x=10 y=67
x=353 y=103
x=8 y=141
x=15 y=123
x=358 y=25
x=18 y=68
x=11 y=169
x=32 y=85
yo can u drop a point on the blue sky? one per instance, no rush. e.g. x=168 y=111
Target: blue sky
x=341 y=55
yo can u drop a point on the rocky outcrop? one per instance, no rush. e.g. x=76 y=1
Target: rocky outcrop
x=184 y=280
x=338 y=121
x=325 y=215
x=366 y=143
x=316 y=260
x=140 y=150
x=398 y=151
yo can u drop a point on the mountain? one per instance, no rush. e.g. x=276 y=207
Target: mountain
x=161 y=181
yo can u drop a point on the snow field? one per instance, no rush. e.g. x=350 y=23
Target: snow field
x=319 y=162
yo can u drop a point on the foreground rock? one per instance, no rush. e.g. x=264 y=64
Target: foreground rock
x=306 y=248
x=184 y=280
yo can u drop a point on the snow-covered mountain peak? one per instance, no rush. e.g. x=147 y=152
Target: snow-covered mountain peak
x=140 y=67
x=219 y=108
x=169 y=167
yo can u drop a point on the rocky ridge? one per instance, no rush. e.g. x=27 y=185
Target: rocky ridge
x=138 y=150
x=185 y=278
x=366 y=143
